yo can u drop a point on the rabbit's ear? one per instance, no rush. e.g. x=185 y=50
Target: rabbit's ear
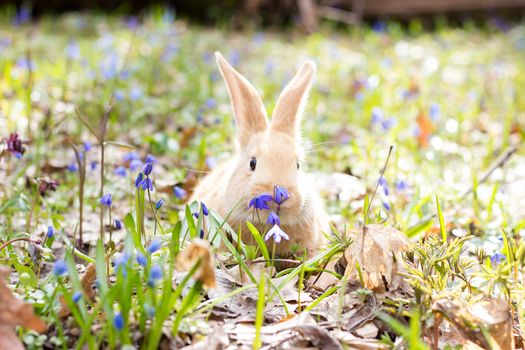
x=287 y=113
x=248 y=109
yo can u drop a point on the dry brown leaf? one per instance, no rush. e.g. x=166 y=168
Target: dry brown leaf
x=199 y=249
x=14 y=312
x=376 y=249
x=491 y=314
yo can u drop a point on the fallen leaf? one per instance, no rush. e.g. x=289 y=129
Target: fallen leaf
x=14 y=312
x=490 y=314
x=425 y=127
x=376 y=249
x=318 y=336
x=199 y=249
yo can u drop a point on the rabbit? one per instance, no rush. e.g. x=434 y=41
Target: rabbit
x=268 y=154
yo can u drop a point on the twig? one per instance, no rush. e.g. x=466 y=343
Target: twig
x=378 y=182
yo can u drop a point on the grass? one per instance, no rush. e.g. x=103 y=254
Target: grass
x=449 y=101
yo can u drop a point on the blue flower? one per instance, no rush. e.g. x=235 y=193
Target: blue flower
x=150 y=310
x=497 y=258
x=386 y=205
x=50 y=231
x=211 y=162
x=135 y=164
x=154 y=275
x=280 y=195
x=146 y=184
x=93 y=165
x=179 y=192
x=77 y=296
x=210 y=103
x=106 y=200
x=120 y=171
x=388 y=123
x=138 y=180
x=377 y=115
x=260 y=202
x=118 y=224
x=72 y=50
x=435 y=111
x=205 y=210
x=141 y=259
x=87 y=146
x=201 y=235
x=159 y=204
x=135 y=93
x=118 y=321
x=277 y=234
x=384 y=186
x=401 y=185
x=273 y=219
x=128 y=157
x=154 y=245
x=73 y=167
x=151 y=159
x=60 y=268
x=196 y=214
x=147 y=169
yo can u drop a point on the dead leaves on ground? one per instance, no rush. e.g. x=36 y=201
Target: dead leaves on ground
x=199 y=249
x=486 y=323
x=14 y=312
x=376 y=251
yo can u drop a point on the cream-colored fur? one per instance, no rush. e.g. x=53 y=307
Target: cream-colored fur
x=277 y=148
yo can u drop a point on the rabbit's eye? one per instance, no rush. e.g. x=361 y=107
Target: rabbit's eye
x=297 y=165
x=253 y=163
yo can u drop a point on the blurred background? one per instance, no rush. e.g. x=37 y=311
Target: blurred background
x=443 y=81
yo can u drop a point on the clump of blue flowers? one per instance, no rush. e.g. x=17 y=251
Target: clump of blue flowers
x=261 y=202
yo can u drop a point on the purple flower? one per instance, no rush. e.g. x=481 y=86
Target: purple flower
x=135 y=93
x=386 y=205
x=401 y=185
x=434 y=111
x=205 y=210
x=118 y=321
x=211 y=162
x=93 y=165
x=497 y=258
x=120 y=171
x=151 y=159
x=141 y=259
x=77 y=296
x=179 y=192
x=384 y=186
x=201 y=235
x=277 y=234
x=154 y=245
x=50 y=231
x=23 y=15
x=128 y=157
x=60 y=268
x=87 y=146
x=260 y=202
x=72 y=50
x=377 y=115
x=388 y=123
x=273 y=219
x=146 y=184
x=196 y=214
x=135 y=164
x=210 y=103
x=106 y=200
x=159 y=204
x=154 y=275
x=147 y=169
x=73 y=167
x=15 y=145
x=118 y=224
x=138 y=180
x=280 y=195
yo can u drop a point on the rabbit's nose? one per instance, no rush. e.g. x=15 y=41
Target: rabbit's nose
x=280 y=194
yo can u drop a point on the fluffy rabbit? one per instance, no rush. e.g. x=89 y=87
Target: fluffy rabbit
x=268 y=154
